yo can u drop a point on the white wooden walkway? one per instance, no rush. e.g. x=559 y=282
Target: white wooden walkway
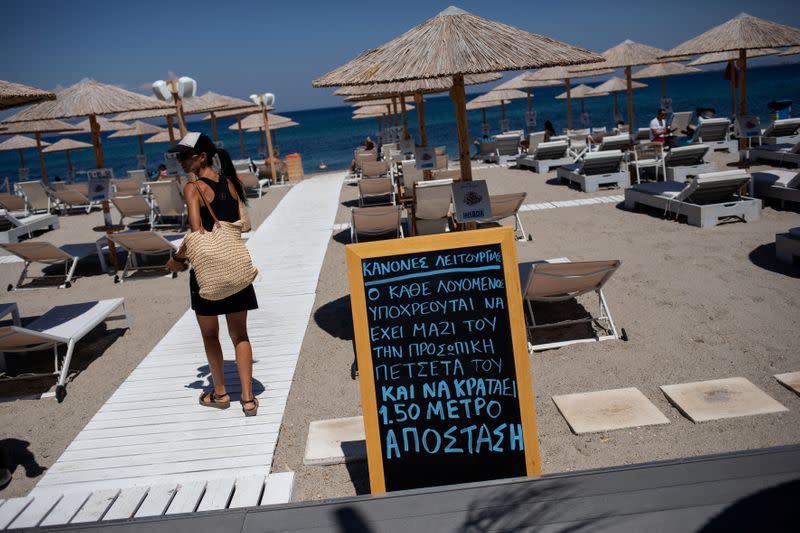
x=152 y=437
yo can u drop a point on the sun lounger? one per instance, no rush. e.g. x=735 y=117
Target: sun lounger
x=63 y=324
x=167 y=203
x=715 y=132
x=442 y=162
x=705 y=200
x=36 y=196
x=411 y=175
x=42 y=252
x=642 y=135
x=546 y=155
x=506 y=149
x=251 y=182
x=614 y=142
x=782 y=131
x=242 y=165
x=379 y=220
x=445 y=174
x=374 y=169
x=132 y=206
x=687 y=161
x=787 y=246
x=144 y=243
x=486 y=150
x=133 y=184
x=648 y=155
x=12 y=202
x=430 y=212
x=440 y=150
x=362 y=156
x=68 y=199
x=375 y=187
x=779 y=154
x=12 y=227
x=783 y=185
x=544 y=282
x=679 y=123
x=504 y=206
x=596 y=169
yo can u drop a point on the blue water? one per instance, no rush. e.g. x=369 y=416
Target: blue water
x=330 y=134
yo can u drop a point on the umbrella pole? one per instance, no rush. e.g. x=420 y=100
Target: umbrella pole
x=394 y=109
x=530 y=101
x=171 y=130
x=483 y=112
x=581 y=105
x=616 y=106
x=179 y=109
x=98 y=148
x=269 y=143
x=457 y=95
x=69 y=165
x=663 y=86
x=261 y=141
x=41 y=157
x=241 y=134
x=630 y=97
x=214 y=126
x=141 y=145
x=21 y=159
x=423 y=134
x=503 y=110
x=743 y=81
x=569 y=106
x=732 y=69
x=405 y=118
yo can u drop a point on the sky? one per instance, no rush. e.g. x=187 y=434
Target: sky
x=239 y=48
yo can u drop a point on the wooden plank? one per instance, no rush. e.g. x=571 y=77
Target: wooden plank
x=157 y=500
x=187 y=498
x=12 y=508
x=96 y=506
x=218 y=494
x=193 y=413
x=247 y=492
x=176 y=437
x=36 y=511
x=126 y=503
x=66 y=508
x=278 y=488
x=155 y=402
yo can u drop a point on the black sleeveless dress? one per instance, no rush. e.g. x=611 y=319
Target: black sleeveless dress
x=226 y=208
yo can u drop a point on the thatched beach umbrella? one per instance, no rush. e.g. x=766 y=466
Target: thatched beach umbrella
x=483 y=105
x=104 y=124
x=65 y=145
x=139 y=129
x=288 y=123
x=256 y=121
x=238 y=113
x=503 y=95
x=583 y=91
x=20 y=144
x=732 y=58
x=616 y=85
x=662 y=70
x=629 y=54
x=162 y=137
x=455 y=43
x=790 y=51
x=563 y=74
x=741 y=33
x=88 y=98
x=38 y=127
x=222 y=102
x=16 y=94
x=191 y=106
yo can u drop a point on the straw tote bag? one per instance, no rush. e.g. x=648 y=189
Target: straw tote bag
x=221 y=261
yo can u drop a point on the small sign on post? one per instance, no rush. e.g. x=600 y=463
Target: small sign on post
x=530 y=120
x=484 y=129
x=425 y=157
x=585 y=121
x=471 y=201
x=141 y=161
x=666 y=105
x=407 y=146
x=747 y=126
x=504 y=125
x=443 y=357
x=171 y=161
x=23 y=174
x=100 y=184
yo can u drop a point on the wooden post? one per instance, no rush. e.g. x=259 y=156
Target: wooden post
x=394 y=109
x=530 y=101
x=181 y=118
x=269 y=143
x=460 y=104
x=170 y=119
x=503 y=110
x=663 y=86
x=41 y=157
x=405 y=118
x=743 y=82
x=581 y=105
x=214 y=126
x=69 y=164
x=423 y=134
x=241 y=134
x=483 y=113
x=732 y=69
x=141 y=144
x=21 y=159
x=261 y=141
x=569 y=106
x=98 y=147
x=630 y=98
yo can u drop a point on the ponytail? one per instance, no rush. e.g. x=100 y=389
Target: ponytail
x=229 y=171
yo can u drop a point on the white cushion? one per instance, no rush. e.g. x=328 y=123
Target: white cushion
x=670 y=189
x=778 y=178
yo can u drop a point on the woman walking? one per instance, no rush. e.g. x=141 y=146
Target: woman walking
x=217 y=187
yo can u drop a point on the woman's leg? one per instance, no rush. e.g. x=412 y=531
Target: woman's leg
x=237 y=327
x=209 y=328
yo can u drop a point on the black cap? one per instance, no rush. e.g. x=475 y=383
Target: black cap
x=194 y=143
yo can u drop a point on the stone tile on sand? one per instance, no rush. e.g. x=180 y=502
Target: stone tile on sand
x=701 y=401
x=335 y=441
x=791 y=380
x=592 y=412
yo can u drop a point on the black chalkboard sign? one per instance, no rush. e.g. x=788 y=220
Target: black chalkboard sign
x=443 y=361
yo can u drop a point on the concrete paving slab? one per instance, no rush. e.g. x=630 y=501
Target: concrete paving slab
x=592 y=412
x=335 y=441
x=790 y=380
x=720 y=398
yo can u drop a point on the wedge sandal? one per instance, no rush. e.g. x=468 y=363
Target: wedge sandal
x=250 y=412
x=209 y=399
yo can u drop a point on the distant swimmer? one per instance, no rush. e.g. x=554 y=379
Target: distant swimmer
x=322 y=165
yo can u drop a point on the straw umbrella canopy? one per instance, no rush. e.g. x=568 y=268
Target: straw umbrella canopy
x=742 y=33
x=224 y=102
x=662 y=70
x=88 y=98
x=16 y=94
x=104 y=124
x=732 y=58
x=483 y=105
x=790 y=51
x=521 y=83
x=272 y=127
x=629 y=54
x=256 y=120
x=237 y=112
x=162 y=137
x=21 y=143
x=452 y=44
x=582 y=91
x=139 y=129
x=65 y=145
x=563 y=74
x=615 y=85
x=37 y=127
x=499 y=96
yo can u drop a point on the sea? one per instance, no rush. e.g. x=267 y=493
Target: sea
x=329 y=135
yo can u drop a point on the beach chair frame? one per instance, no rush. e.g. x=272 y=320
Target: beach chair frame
x=686 y=162
x=132 y=262
x=26 y=225
x=70 y=262
x=596 y=169
x=545 y=156
x=777 y=184
x=513 y=198
x=376 y=211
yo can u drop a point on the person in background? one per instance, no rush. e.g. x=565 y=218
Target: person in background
x=549 y=130
x=658 y=127
x=162 y=171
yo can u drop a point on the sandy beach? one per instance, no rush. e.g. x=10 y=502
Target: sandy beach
x=36 y=431
x=696 y=303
